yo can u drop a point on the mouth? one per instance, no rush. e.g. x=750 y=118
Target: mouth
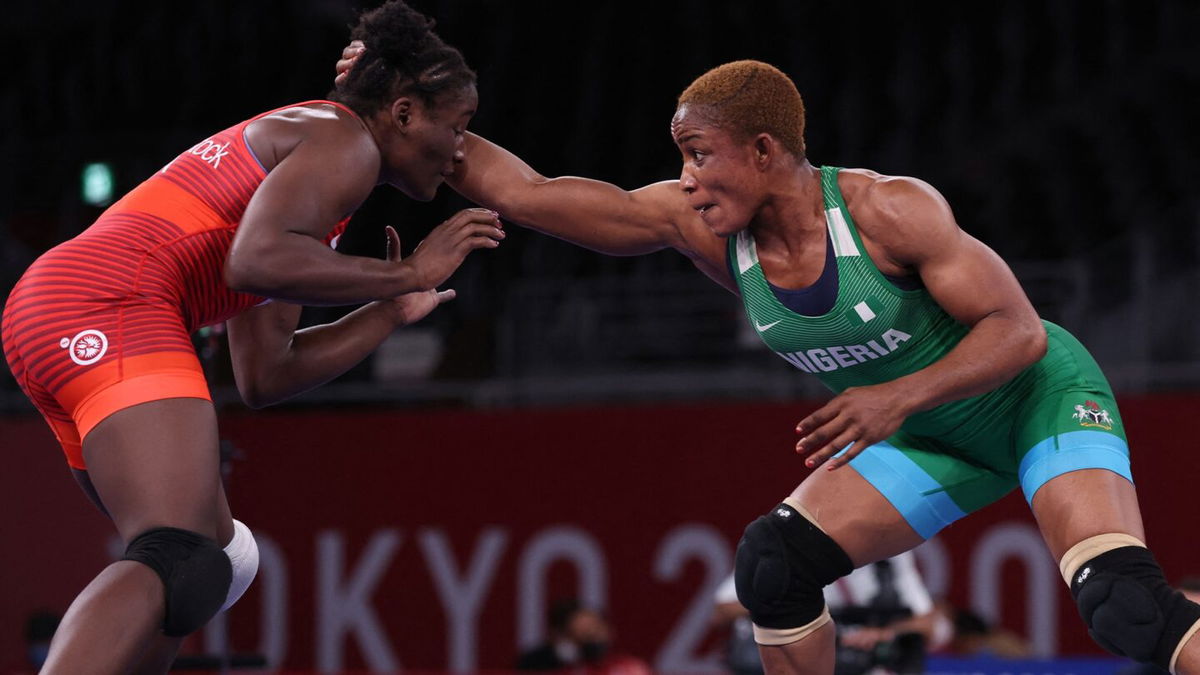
x=703 y=208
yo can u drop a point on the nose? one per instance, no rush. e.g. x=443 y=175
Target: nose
x=687 y=182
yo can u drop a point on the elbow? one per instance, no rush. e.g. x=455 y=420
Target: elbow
x=257 y=392
x=254 y=271
x=239 y=274
x=1036 y=342
x=255 y=398
x=252 y=396
x=520 y=206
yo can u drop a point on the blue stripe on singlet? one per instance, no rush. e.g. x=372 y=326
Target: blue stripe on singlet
x=916 y=495
x=1069 y=452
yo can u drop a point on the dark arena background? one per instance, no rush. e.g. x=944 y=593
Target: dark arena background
x=575 y=425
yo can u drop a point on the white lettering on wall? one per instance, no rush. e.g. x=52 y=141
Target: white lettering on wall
x=562 y=543
x=692 y=541
x=1024 y=543
x=462 y=595
x=344 y=602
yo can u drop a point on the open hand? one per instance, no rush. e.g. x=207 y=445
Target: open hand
x=448 y=244
x=858 y=417
x=412 y=307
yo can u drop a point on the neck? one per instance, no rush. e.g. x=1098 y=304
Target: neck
x=793 y=210
x=379 y=128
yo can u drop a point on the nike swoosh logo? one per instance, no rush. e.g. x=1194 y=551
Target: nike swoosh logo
x=763 y=327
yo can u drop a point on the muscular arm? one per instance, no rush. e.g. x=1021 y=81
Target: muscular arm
x=589 y=213
x=272 y=361
x=278 y=251
x=970 y=282
x=914 y=228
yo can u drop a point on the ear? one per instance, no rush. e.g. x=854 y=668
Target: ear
x=401 y=112
x=764 y=150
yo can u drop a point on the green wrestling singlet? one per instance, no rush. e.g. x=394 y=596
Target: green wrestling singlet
x=1057 y=415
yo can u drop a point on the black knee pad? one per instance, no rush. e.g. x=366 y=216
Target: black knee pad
x=195 y=573
x=783 y=561
x=1128 y=607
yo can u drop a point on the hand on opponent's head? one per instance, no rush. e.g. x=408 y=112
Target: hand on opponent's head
x=349 y=57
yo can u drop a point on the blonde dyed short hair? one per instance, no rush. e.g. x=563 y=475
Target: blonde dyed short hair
x=751 y=97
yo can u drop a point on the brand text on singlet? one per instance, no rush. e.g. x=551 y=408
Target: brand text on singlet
x=210 y=152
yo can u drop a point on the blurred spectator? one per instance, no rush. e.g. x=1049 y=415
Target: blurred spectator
x=885 y=618
x=39 y=630
x=975 y=636
x=580 y=639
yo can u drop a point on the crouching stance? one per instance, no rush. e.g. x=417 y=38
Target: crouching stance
x=785 y=559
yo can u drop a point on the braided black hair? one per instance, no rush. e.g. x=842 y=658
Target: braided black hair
x=403 y=56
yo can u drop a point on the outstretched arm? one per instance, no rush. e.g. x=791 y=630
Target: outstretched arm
x=590 y=213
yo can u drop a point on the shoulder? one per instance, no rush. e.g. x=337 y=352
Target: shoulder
x=317 y=128
x=906 y=217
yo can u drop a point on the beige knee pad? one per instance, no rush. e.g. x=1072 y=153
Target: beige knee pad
x=774 y=637
x=1091 y=547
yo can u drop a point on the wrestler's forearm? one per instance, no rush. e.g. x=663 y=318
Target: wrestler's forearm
x=302 y=270
x=319 y=354
x=997 y=348
x=589 y=213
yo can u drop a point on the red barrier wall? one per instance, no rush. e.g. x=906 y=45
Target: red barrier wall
x=429 y=540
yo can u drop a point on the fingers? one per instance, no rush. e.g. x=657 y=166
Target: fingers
x=469 y=216
x=477 y=228
x=483 y=236
x=827 y=432
x=826 y=443
x=393 y=244
x=844 y=458
x=814 y=421
x=349 y=56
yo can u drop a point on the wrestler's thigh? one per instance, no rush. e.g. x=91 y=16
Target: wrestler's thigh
x=1081 y=504
x=896 y=494
x=855 y=515
x=155 y=464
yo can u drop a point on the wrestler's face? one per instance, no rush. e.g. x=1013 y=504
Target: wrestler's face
x=429 y=142
x=720 y=177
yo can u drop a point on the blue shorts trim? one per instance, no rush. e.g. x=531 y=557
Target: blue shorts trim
x=916 y=495
x=1069 y=452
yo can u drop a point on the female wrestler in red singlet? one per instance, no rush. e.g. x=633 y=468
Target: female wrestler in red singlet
x=97 y=330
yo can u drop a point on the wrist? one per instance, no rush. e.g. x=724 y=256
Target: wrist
x=909 y=395
x=391 y=312
x=412 y=278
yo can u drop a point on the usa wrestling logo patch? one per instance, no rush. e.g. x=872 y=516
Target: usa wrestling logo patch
x=86 y=348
